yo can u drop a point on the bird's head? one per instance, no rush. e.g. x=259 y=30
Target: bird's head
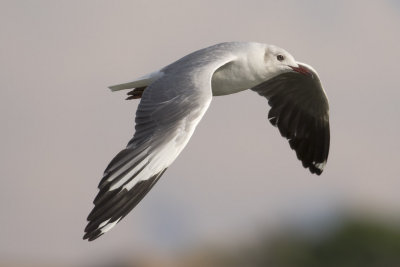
x=278 y=60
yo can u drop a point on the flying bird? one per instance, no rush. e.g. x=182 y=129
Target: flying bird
x=174 y=99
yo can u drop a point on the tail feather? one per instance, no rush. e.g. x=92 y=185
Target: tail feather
x=141 y=82
x=136 y=93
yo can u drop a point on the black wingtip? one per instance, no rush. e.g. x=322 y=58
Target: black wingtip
x=315 y=170
x=300 y=110
x=90 y=236
x=114 y=206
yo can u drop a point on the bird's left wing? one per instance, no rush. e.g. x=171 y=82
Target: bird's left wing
x=167 y=116
x=300 y=110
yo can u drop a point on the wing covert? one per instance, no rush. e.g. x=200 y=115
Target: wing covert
x=167 y=115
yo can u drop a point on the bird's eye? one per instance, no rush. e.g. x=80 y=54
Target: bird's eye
x=280 y=57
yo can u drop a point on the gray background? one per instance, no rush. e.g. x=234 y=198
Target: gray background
x=60 y=125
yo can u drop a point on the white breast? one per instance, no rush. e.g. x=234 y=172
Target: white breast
x=246 y=71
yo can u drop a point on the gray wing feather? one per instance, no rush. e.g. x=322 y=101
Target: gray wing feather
x=168 y=113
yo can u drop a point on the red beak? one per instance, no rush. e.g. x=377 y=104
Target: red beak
x=301 y=69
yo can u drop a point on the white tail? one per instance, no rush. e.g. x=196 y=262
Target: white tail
x=141 y=82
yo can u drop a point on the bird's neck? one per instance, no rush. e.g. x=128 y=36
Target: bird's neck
x=245 y=72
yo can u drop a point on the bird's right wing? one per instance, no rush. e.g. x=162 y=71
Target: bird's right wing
x=300 y=110
x=167 y=116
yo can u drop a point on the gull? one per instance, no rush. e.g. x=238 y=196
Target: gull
x=175 y=98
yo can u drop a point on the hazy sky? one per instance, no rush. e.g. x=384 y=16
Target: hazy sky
x=60 y=125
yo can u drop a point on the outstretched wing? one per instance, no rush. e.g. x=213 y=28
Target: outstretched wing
x=167 y=116
x=300 y=110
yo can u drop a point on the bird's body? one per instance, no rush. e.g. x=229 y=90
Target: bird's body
x=175 y=98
